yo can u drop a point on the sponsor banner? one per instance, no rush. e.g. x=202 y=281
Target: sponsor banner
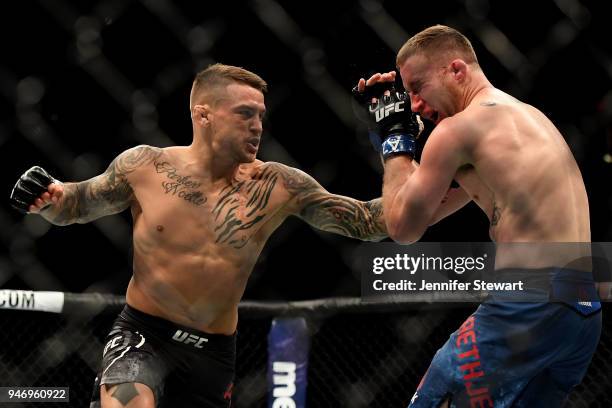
x=288 y=347
x=31 y=300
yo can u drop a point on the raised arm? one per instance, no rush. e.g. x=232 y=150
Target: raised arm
x=413 y=194
x=106 y=194
x=330 y=212
x=454 y=199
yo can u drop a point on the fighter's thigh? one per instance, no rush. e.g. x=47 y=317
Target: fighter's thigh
x=127 y=395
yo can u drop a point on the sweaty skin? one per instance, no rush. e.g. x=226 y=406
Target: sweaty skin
x=202 y=213
x=506 y=156
x=196 y=242
x=512 y=161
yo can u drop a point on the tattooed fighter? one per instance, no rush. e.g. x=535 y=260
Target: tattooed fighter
x=202 y=214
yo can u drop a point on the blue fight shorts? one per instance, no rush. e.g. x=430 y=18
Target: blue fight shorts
x=513 y=354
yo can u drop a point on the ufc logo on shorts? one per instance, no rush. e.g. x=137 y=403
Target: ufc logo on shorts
x=383 y=113
x=188 y=338
x=114 y=342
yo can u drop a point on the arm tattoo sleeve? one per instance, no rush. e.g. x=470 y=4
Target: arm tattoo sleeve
x=334 y=213
x=108 y=193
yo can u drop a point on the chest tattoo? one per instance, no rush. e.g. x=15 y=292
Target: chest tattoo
x=240 y=207
x=496 y=214
x=180 y=186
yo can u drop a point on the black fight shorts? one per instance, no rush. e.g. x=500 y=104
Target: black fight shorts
x=183 y=367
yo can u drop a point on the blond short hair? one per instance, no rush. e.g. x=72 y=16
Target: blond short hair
x=220 y=75
x=435 y=41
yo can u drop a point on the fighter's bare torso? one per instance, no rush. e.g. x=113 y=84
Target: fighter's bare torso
x=195 y=243
x=196 y=237
x=521 y=172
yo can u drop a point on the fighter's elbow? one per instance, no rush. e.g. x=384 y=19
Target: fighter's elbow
x=406 y=224
x=404 y=234
x=434 y=220
x=376 y=238
x=405 y=239
x=63 y=222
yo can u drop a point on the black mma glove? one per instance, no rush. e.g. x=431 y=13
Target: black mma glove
x=29 y=187
x=393 y=128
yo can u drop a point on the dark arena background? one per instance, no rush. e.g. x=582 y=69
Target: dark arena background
x=80 y=82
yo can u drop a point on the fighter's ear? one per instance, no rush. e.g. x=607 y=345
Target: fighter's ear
x=458 y=69
x=200 y=114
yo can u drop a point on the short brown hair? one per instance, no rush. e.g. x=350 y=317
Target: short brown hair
x=437 y=40
x=222 y=75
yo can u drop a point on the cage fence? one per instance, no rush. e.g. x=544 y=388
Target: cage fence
x=361 y=354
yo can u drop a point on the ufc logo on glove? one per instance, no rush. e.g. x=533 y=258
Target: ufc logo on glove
x=384 y=111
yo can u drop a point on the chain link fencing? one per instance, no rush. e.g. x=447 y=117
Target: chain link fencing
x=361 y=355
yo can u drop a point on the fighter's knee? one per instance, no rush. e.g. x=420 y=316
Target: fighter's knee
x=127 y=395
x=444 y=404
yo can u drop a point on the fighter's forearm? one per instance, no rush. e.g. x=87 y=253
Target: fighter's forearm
x=397 y=172
x=379 y=230
x=346 y=216
x=106 y=194
x=88 y=200
x=68 y=209
x=330 y=212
